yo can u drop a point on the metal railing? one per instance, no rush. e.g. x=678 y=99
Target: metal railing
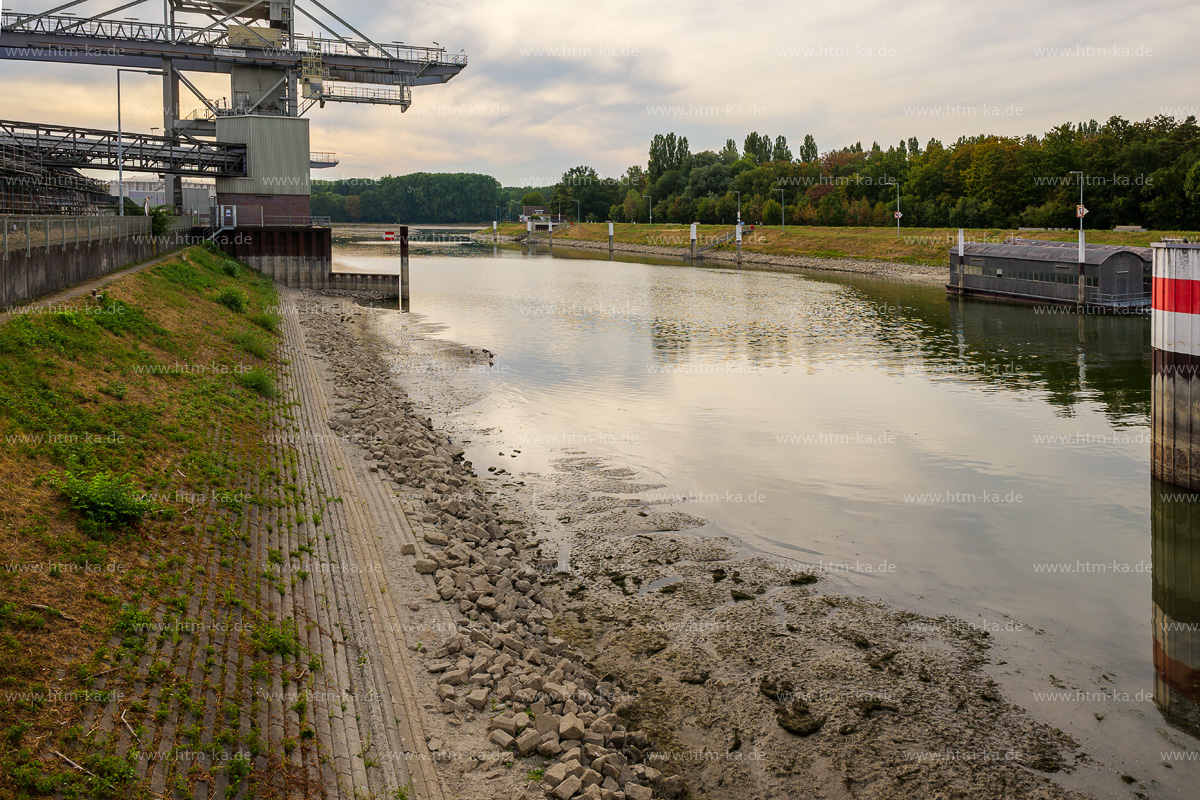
x=28 y=233
x=1133 y=300
x=139 y=31
x=343 y=93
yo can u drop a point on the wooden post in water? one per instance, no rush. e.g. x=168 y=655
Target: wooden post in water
x=1175 y=354
x=404 y=268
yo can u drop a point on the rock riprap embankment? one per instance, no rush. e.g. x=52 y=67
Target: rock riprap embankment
x=500 y=666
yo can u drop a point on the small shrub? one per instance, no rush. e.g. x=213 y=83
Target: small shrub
x=117 y=317
x=281 y=641
x=258 y=380
x=116 y=390
x=185 y=274
x=233 y=299
x=266 y=321
x=252 y=344
x=105 y=500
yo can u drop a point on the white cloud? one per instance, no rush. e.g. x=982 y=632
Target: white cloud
x=589 y=104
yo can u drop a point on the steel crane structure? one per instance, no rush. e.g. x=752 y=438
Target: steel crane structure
x=274 y=70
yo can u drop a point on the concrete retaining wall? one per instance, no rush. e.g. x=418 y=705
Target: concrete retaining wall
x=300 y=258
x=28 y=275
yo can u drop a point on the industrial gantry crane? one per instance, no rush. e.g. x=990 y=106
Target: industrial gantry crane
x=274 y=70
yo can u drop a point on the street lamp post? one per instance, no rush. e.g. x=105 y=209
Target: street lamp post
x=782 y=212
x=897 y=185
x=121 y=141
x=651 y=199
x=1079 y=172
x=1081 y=291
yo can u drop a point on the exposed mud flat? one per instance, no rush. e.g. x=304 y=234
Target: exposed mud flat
x=753 y=677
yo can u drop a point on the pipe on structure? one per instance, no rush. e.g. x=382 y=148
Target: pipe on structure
x=1175 y=339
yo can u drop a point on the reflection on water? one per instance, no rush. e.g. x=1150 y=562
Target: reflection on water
x=1176 y=559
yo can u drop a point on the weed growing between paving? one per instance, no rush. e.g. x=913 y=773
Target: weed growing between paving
x=131 y=421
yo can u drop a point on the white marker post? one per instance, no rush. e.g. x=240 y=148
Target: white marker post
x=961 y=253
x=738 y=234
x=1080 y=211
x=693 y=241
x=610 y=238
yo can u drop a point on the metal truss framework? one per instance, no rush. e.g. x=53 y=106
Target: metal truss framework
x=61 y=146
x=274 y=70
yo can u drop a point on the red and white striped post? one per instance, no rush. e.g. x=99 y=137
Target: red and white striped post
x=1175 y=338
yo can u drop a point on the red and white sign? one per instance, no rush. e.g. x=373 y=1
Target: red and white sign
x=1080 y=211
x=898 y=215
x=389 y=236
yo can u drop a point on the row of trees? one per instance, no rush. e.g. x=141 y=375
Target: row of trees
x=1143 y=173
x=1134 y=173
x=420 y=197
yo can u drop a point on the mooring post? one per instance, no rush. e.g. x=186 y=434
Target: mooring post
x=495 y=232
x=610 y=238
x=404 y=268
x=1175 y=356
x=551 y=226
x=693 y=241
x=739 y=242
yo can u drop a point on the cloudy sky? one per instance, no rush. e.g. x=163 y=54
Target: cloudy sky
x=553 y=85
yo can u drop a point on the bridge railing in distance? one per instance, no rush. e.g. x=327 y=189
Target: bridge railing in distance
x=29 y=233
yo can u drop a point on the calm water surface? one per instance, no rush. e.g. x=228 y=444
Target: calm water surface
x=948 y=456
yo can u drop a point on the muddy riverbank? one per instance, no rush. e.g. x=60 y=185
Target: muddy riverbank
x=607 y=648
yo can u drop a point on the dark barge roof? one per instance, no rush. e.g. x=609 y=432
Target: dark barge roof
x=1060 y=252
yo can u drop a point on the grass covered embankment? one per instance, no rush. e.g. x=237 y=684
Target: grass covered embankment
x=916 y=246
x=130 y=421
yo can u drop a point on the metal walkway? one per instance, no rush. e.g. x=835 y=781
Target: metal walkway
x=63 y=146
x=133 y=43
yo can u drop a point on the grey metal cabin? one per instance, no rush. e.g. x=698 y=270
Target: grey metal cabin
x=1115 y=277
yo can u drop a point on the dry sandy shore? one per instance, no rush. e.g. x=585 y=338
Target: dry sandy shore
x=568 y=639
x=761 y=261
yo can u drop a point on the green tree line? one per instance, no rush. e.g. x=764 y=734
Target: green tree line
x=1133 y=173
